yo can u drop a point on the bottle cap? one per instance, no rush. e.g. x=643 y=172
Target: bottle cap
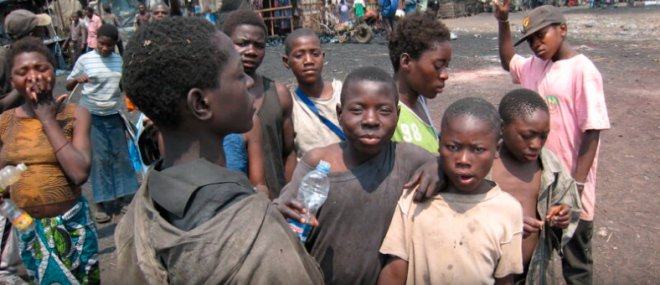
x=21 y=166
x=323 y=166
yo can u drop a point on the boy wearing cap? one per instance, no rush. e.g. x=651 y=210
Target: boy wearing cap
x=573 y=89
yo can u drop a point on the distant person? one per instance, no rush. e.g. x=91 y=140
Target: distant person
x=93 y=24
x=160 y=11
x=344 y=12
x=420 y=51
x=110 y=19
x=470 y=234
x=368 y=172
x=143 y=16
x=573 y=89
x=193 y=221
x=314 y=100
x=272 y=100
x=388 y=10
x=539 y=181
x=77 y=36
x=53 y=140
x=113 y=177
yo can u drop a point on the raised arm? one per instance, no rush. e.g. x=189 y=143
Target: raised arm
x=12 y=100
x=74 y=157
x=288 y=151
x=504 y=32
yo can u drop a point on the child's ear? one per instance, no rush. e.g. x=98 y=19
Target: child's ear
x=563 y=30
x=500 y=141
x=198 y=105
x=404 y=61
x=285 y=61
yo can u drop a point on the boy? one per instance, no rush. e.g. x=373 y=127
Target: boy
x=99 y=71
x=420 y=52
x=366 y=176
x=93 y=24
x=470 y=234
x=314 y=100
x=272 y=100
x=573 y=89
x=193 y=221
x=538 y=179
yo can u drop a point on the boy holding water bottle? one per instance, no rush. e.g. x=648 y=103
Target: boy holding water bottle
x=193 y=221
x=367 y=174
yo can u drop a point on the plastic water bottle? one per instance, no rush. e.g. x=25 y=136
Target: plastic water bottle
x=21 y=220
x=313 y=191
x=10 y=175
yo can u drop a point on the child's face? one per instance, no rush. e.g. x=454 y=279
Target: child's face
x=468 y=146
x=250 y=42
x=231 y=104
x=427 y=74
x=368 y=115
x=524 y=137
x=546 y=42
x=31 y=65
x=105 y=45
x=306 y=59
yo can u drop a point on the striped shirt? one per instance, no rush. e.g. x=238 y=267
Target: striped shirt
x=100 y=95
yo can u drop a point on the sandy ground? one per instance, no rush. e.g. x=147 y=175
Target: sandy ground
x=624 y=45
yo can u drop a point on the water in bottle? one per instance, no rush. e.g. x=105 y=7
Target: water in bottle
x=21 y=220
x=313 y=191
x=10 y=175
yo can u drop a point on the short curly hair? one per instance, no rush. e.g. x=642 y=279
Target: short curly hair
x=24 y=45
x=519 y=103
x=242 y=17
x=473 y=107
x=415 y=34
x=167 y=58
x=369 y=73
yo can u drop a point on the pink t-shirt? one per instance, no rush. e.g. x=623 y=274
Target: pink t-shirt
x=573 y=89
x=93 y=25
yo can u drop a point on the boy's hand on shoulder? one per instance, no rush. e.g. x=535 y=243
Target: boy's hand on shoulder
x=559 y=216
x=428 y=180
x=292 y=208
x=501 y=10
x=531 y=225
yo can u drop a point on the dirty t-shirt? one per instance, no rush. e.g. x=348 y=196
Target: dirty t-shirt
x=573 y=89
x=357 y=213
x=456 y=238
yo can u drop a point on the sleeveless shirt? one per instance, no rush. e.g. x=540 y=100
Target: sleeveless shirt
x=270 y=115
x=24 y=140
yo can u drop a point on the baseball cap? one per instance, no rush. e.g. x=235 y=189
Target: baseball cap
x=21 y=22
x=540 y=18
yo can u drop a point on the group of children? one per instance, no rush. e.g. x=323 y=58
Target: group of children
x=480 y=200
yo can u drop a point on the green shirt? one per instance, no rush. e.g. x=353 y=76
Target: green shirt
x=412 y=129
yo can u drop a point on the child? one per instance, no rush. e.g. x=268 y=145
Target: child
x=193 y=221
x=573 y=89
x=272 y=101
x=113 y=177
x=314 y=100
x=420 y=51
x=538 y=179
x=470 y=234
x=53 y=140
x=366 y=176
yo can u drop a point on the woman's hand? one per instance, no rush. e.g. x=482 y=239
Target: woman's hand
x=40 y=91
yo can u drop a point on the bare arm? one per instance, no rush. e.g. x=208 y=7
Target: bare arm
x=288 y=151
x=254 y=141
x=395 y=272
x=505 y=42
x=12 y=100
x=588 y=148
x=70 y=84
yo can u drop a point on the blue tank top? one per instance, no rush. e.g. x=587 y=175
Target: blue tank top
x=235 y=152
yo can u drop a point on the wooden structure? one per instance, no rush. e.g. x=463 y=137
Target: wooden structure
x=275 y=16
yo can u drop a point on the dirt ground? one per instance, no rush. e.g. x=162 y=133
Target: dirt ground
x=624 y=44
